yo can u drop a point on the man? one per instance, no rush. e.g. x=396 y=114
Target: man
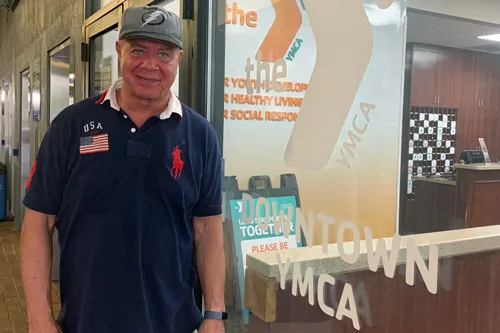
x=131 y=180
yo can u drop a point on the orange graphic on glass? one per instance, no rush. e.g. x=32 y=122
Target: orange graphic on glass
x=283 y=30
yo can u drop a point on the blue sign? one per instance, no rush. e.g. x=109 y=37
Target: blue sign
x=252 y=237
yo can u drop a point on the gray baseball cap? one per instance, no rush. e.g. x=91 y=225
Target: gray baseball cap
x=153 y=22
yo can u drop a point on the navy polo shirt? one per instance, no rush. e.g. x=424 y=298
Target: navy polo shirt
x=124 y=199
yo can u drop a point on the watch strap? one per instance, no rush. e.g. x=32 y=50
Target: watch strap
x=215 y=315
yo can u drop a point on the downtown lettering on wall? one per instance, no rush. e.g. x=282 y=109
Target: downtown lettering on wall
x=309 y=285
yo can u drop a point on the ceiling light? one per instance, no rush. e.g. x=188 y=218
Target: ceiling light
x=495 y=38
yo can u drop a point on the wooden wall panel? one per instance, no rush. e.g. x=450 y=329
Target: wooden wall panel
x=468 y=80
x=434 y=207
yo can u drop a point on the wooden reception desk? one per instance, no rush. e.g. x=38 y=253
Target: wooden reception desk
x=471 y=200
x=466 y=300
x=434 y=204
x=477 y=196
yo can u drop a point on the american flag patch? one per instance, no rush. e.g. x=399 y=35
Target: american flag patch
x=94 y=144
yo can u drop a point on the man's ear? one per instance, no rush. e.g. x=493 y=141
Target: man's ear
x=118 y=47
x=179 y=55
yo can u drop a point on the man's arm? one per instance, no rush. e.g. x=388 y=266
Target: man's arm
x=207 y=226
x=210 y=260
x=35 y=263
x=45 y=189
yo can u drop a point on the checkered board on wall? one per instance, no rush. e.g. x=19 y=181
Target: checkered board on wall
x=431 y=142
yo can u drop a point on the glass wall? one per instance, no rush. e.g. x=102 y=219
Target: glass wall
x=454 y=118
x=104 y=60
x=361 y=146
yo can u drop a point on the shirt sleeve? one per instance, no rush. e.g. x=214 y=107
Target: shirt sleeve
x=210 y=200
x=45 y=185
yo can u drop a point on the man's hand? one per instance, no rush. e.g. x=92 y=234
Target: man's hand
x=211 y=326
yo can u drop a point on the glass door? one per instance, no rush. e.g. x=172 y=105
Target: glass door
x=61 y=95
x=101 y=36
x=61 y=79
x=173 y=6
x=25 y=166
x=101 y=33
x=104 y=68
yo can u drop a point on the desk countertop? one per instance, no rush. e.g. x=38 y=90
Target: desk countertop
x=450 y=244
x=478 y=166
x=437 y=180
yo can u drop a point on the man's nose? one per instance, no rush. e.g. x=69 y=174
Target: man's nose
x=150 y=63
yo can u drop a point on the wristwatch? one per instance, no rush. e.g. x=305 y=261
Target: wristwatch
x=215 y=315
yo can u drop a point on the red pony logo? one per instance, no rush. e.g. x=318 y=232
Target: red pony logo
x=177 y=163
x=32 y=172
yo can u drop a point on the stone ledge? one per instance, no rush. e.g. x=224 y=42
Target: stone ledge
x=450 y=244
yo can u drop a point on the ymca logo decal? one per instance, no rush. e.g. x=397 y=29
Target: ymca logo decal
x=177 y=162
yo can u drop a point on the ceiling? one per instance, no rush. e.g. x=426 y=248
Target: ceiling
x=8 y=4
x=477 y=10
x=451 y=32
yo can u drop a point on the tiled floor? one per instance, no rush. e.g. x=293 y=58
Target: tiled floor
x=12 y=302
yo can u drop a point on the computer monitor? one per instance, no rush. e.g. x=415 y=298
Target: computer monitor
x=472 y=156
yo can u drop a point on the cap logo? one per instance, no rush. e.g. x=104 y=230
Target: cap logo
x=153 y=18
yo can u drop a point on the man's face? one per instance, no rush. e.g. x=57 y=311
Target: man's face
x=148 y=67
